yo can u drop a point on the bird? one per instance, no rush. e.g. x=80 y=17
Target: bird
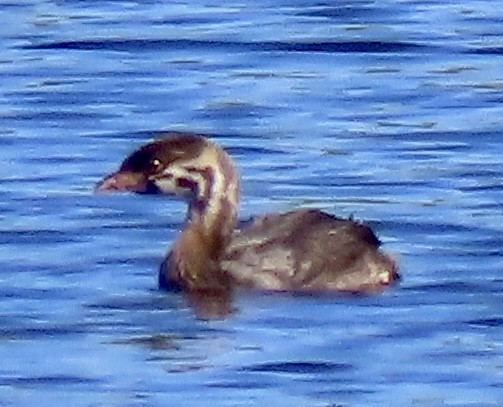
x=301 y=251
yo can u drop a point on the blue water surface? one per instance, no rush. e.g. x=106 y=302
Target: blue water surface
x=389 y=111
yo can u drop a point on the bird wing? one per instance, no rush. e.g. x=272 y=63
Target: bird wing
x=291 y=250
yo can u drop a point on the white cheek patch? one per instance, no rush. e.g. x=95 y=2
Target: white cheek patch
x=166 y=181
x=176 y=181
x=166 y=185
x=219 y=184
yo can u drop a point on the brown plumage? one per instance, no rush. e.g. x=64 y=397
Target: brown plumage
x=302 y=251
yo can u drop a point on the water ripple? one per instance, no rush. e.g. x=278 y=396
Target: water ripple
x=234 y=46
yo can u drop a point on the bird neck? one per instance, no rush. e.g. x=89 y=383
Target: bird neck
x=213 y=208
x=210 y=182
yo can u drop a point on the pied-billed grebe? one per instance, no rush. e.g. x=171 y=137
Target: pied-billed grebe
x=303 y=251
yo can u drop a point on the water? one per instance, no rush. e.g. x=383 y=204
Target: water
x=390 y=111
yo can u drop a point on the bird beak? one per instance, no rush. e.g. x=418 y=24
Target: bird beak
x=123 y=181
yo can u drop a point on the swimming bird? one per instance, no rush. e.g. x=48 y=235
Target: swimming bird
x=305 y=251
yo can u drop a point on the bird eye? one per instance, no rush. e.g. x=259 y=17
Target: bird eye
x=156 y=164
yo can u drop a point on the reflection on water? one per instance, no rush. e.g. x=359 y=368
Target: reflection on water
x=390 y=112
